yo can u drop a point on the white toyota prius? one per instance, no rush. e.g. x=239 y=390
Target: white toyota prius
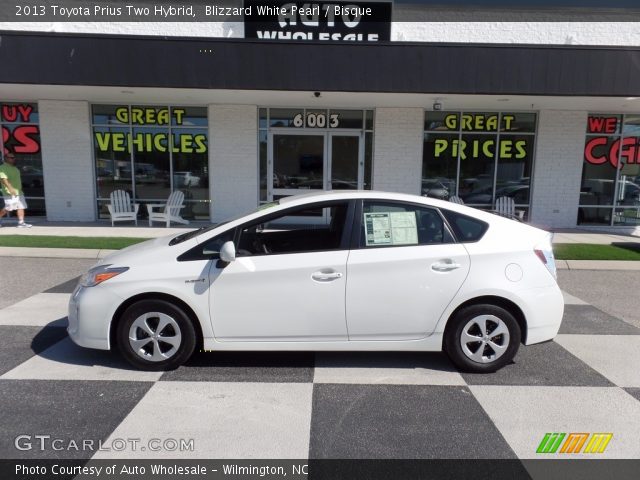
x=357 y=270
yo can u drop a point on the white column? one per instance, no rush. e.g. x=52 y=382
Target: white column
x=67 y=160
x=233 y=159
x=558 y=168
x=397 y=160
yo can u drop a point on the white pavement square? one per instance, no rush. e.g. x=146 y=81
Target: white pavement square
x=386 y=369
x=66 y=361
x=617 y=357
x=525 y=414
x=38 y=310
x=225 y=420
x=571 y=300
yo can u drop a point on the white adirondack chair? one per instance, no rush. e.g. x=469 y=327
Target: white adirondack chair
x=506 y=207
x=456 y=199
x=170 y=210
x=121 y=208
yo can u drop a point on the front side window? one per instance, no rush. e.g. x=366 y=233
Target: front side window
x=391 y=224
x=209 y=250
x=314 y=228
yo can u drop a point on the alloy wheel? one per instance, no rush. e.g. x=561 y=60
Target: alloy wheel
x=484 y=338
x=155 y=336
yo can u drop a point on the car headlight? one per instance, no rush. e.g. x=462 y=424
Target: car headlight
x=100 y=274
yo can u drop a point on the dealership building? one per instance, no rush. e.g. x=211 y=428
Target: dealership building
x=239 y=113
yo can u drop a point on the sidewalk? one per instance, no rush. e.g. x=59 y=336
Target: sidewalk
x=95 y=229
x=581 y=236
x=104 y=229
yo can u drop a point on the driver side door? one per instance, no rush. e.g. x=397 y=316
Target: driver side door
x=288 y=281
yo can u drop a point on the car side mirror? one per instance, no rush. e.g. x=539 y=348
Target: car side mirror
x=228 y=252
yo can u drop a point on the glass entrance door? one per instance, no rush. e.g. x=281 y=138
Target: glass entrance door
x=345 y=161
x=313 y=161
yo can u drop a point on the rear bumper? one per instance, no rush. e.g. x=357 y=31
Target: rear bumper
x=90 y=313
x=544 y=313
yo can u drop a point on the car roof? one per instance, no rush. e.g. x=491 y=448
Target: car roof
x=323 y=195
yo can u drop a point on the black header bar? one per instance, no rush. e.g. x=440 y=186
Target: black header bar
x=129 y=61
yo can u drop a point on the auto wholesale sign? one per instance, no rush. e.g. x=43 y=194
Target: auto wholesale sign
x=330 y=22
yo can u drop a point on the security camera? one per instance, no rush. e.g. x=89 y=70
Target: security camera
x=317 y=94
x=437 y=106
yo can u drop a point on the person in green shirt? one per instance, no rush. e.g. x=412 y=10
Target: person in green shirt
x=11 y=187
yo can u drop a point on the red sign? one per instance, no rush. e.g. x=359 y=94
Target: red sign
x=608 y=149
x=19 y=138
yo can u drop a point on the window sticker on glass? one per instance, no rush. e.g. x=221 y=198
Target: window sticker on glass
x=391 y=228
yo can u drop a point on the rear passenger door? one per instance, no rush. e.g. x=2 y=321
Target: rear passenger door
x=402 y=272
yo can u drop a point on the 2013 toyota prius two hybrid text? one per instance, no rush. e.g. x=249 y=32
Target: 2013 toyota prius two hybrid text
x=328 y=271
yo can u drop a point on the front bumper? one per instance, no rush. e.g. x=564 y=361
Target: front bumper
x=90 y=313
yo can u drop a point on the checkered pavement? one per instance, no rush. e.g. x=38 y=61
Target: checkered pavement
x=324 y=405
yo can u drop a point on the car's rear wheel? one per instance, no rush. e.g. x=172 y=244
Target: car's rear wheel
x=156 y=335
x=482 y=338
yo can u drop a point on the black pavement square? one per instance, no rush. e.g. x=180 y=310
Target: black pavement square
x=65 y=410
x=588 y=320
x=19 y=343
x=65 y=287
x=634 y=392
x=268 y=367
x=401 y=422
x=545 y=364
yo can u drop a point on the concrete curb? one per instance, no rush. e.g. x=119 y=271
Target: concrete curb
x=98 y=254
x=598 y=265
x=54 y=252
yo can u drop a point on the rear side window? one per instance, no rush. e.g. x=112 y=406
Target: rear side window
x=465 y=228
x=397 y=224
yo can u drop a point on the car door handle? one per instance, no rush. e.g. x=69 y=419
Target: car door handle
x=445 y=266
x=326 y=276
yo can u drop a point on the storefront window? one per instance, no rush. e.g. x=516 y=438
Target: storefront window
x=150 y=151
x=479 y=157
x=21 y=136
x=610 y=190
x=113 y=160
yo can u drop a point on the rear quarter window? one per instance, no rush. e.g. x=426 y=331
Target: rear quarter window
x=465 y=228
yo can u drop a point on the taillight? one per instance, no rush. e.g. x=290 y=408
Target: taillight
x=544 y=251
x=541 y=256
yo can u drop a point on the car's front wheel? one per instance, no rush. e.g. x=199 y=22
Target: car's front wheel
x=482 y=338
x=156 y=335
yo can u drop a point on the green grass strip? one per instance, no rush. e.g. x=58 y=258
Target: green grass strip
x=587 y=251
x=562 y=251
x=51 y=241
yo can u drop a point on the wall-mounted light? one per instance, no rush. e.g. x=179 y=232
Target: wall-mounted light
x=437 y=106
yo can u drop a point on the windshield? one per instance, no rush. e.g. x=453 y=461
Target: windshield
x=194 y=233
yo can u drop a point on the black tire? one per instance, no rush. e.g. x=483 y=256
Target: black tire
x=183 y=341
x=472 y=315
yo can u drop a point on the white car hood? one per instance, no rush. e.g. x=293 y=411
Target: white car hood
x=135 y=253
